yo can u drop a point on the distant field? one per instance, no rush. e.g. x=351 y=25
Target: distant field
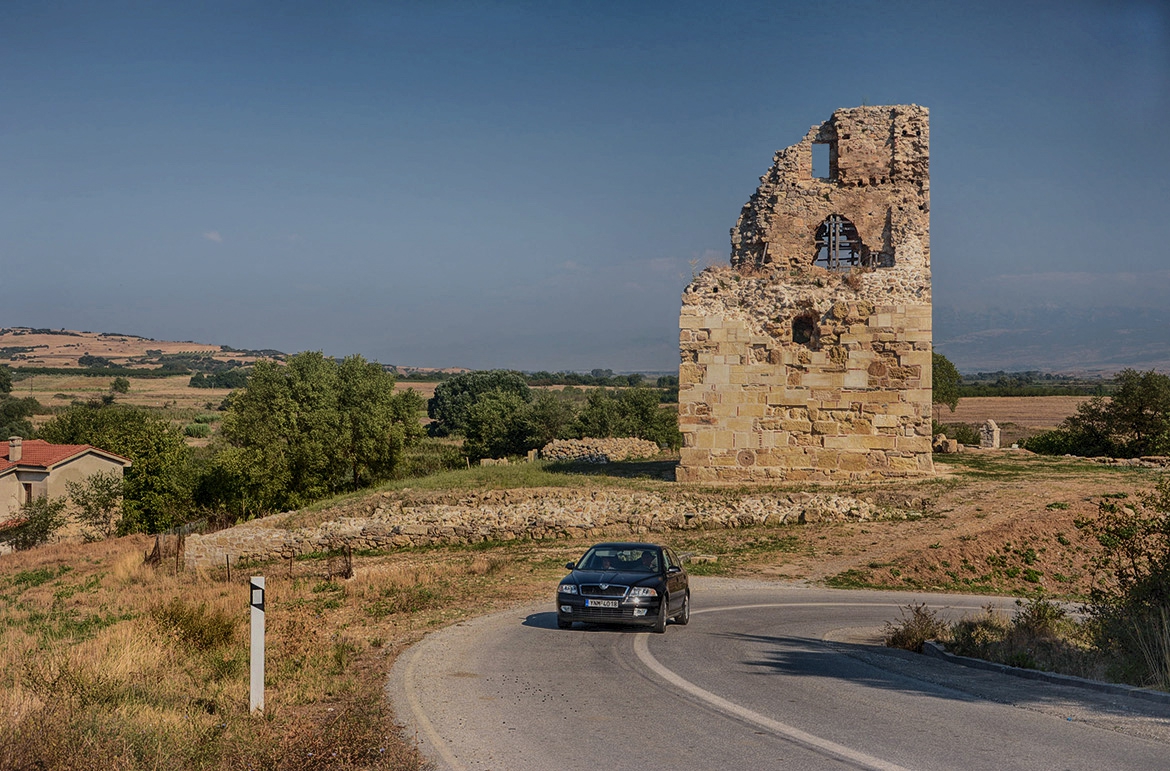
x=1030 y=411
x=63 y=350
x=60 y=390
x=425 y=390
x=1017 y=416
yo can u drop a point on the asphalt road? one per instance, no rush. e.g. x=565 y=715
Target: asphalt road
x=766 y=676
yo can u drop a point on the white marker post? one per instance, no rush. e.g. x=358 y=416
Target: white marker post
x=256 y=703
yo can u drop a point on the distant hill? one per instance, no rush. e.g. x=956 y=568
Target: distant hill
x=69 y=349
x=1075 y=341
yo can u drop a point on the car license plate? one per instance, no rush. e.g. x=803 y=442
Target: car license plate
x=601 y=603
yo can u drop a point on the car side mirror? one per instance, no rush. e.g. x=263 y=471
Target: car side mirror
x=570 y=566
x=673 y=569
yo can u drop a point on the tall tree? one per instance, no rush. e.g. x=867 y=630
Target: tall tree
x=157 y=487
x=308 y=429
x=945 y=381
x=371 y=438
x=454 y=398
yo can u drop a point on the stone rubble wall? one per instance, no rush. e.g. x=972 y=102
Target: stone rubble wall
x=598 y=450
x=389 y=521
x=1146 y=461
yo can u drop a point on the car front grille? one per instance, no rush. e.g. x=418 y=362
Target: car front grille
x=600 y=614
x=606 y=590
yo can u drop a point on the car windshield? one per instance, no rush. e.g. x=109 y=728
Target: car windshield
x=630 y=560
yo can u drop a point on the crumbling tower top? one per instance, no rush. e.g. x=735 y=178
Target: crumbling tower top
x=878 y=180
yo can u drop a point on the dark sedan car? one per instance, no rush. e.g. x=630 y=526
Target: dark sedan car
x=625 y=583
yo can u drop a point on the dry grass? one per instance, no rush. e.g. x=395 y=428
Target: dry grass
x=1044 y=412
x=109 y=663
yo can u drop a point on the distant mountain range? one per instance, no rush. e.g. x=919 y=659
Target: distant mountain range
x=1059 y=340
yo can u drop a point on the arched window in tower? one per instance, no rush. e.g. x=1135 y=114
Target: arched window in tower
x=839 y=246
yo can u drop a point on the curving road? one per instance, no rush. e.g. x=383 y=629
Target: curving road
x=765 y=676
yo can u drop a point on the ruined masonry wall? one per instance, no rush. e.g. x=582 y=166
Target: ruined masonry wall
x=538 y=514
x=790 y=371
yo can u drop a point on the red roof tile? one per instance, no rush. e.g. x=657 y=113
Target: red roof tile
x=40 y=454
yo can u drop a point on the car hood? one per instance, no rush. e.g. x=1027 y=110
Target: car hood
x=625 y=578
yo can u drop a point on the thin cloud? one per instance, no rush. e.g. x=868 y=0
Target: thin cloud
x=213 y=235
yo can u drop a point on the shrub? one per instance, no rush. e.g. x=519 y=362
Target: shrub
x=1134 y=422
x=197 y=430
x=975 y=636
x=919 y=624
x=1132 y=605
x=963 y=433
x=1055 y=442
x=429 y=456
x=99 y=504
x=120 y=385
x=201 y=627
x=38 y=521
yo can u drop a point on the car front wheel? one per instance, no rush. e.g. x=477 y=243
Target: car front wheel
x=563 y=623
x=660 y=622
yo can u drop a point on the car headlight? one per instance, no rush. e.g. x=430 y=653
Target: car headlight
x=567 y=588
x=643 y=591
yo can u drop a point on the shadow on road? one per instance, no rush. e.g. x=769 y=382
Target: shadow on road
x=898 y=670
x=549 y=621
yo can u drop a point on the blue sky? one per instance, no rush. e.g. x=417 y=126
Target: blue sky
x=530 y=185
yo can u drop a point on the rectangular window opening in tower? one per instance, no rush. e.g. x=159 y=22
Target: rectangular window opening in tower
x=820 y=161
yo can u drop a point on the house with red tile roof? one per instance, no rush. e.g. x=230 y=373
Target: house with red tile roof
x=33 y=468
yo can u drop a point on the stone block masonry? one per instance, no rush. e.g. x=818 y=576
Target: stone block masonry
x=808 y=358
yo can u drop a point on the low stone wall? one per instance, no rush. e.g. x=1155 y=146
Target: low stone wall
x=1146 y=461
x=395 y=520
x=598 y=450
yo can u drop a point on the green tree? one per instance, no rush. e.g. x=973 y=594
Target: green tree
x=497 y=424
x=1134 y=422
x=945 y=380
x=120 y=385
x=98 y=502
x=407 y=408
x=601 y=416
x=283 y=432
x=5 y=380
x=157 y=486
x=15 y=414
x=1138 y=415
x=549 y=418
x=635 y=412
x=301 y=431
x=454 y=397
x=371 y=437
x=38 y=521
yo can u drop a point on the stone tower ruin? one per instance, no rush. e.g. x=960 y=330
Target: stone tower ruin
x=809 y=357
